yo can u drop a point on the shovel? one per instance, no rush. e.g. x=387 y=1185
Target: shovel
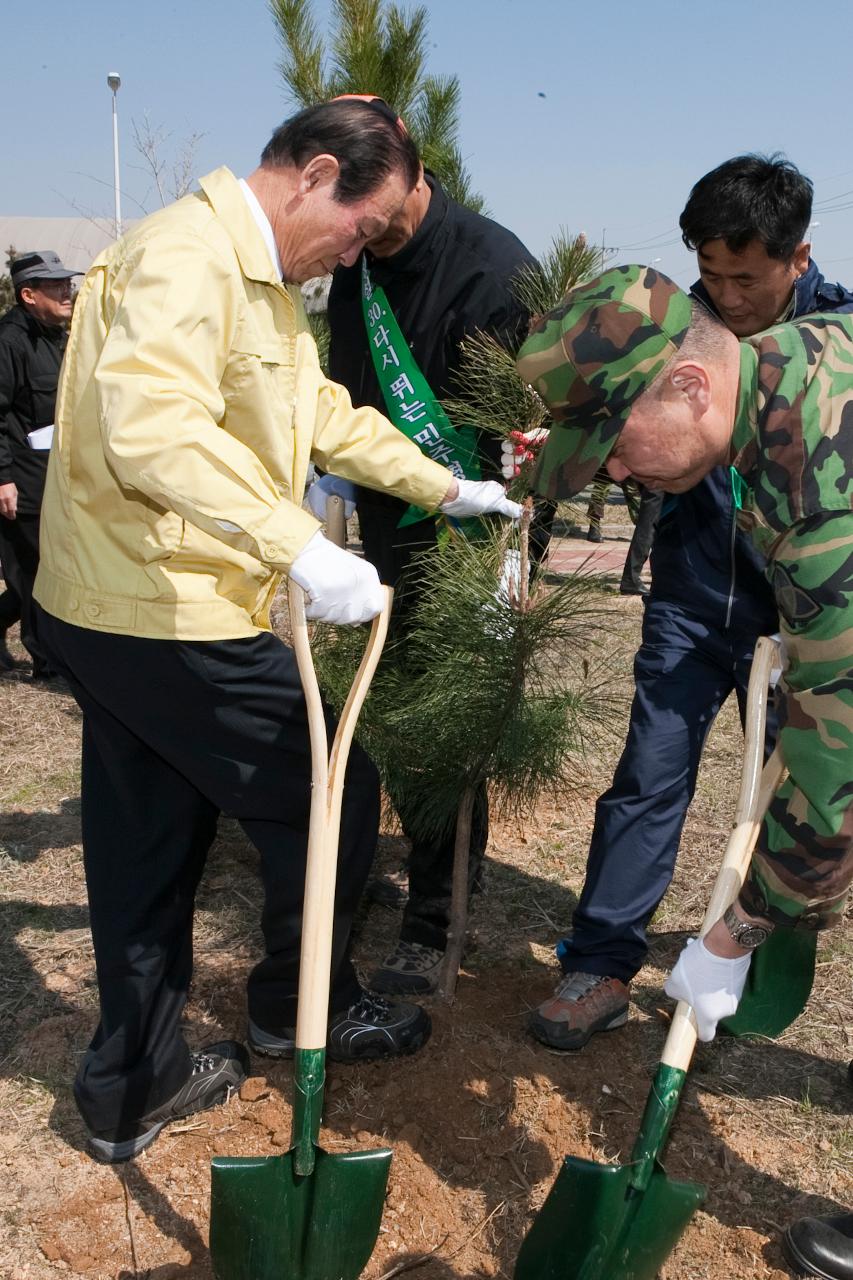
x=621 y=1221
x=778 y=984
x=307 y=1215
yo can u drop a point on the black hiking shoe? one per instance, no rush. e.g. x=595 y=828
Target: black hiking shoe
x=218 y=1071
x=371 y=1028
x=412 y=968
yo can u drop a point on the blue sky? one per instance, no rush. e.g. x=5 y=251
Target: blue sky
x=640 y=100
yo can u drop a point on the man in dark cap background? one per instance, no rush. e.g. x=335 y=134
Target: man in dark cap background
x=32 y=341
x=447 y=273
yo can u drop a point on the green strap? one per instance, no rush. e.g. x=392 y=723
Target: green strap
x=740 y=489
x=408 y=397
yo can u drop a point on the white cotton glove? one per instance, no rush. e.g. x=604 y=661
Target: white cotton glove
x=497 y=623
x=520 y=447
x=323 y=488
x=711 y=985
x=510 y=579
x=478 y=497
x=342 y=588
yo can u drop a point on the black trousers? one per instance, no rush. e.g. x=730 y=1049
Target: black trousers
x=175 y=733
x=19 y=555
x=10 y=608
x=427 y=914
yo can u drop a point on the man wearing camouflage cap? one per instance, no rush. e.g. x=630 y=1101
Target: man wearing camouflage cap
x=643 y=380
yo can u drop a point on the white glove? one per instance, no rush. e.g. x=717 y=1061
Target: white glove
x=711 y=985
x=323 y=488
x=477 y=497
x=520 y=447
x=342 y=588
x=510 y=580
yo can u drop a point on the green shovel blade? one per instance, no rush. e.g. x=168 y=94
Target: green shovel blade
x=778 y=985
x=596 y=1226
x=269 y=1223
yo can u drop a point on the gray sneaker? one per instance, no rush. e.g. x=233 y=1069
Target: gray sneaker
x=218 y=1070
x=411 y=968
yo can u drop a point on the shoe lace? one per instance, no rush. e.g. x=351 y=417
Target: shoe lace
x=203 y=1062
x=577 y=985
x=371 y=1008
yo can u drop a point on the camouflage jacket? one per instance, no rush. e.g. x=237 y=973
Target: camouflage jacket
x=793 y=443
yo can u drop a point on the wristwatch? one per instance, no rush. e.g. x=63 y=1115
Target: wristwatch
x=746 y=933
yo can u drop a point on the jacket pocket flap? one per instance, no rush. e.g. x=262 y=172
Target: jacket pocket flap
x=271 y=352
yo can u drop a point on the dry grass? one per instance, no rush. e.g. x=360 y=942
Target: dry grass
x=768 y=1125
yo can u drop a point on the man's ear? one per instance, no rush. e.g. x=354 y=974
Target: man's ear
x=321 y=171
x=800 y=260
x=691 y=383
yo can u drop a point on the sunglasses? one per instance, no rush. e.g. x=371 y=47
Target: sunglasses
x=60 y=287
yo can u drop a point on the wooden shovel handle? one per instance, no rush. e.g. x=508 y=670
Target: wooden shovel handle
x=336 y=520
x=757 y=788
x=327 y=786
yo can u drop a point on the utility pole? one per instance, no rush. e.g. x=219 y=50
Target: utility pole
x=114 y=83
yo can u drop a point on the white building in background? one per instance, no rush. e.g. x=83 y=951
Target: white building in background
x=78 y=241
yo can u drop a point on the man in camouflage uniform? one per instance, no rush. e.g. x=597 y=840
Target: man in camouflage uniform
x=641 y=379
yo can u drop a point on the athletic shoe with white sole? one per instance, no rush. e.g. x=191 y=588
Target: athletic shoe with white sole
x=370 y=1028
x=412 y=968
x=218 y=1070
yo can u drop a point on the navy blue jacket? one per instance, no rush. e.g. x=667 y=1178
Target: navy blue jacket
x=700 y=560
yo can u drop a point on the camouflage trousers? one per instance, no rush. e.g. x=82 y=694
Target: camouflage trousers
x=601 y=486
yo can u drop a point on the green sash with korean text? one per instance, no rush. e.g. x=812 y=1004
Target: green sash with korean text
x=409 y=400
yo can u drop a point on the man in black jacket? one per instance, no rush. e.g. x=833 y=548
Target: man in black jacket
x=446 y=272
x=709 y=602
x=32 y=341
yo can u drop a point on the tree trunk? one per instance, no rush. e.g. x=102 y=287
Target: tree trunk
x=459 y=897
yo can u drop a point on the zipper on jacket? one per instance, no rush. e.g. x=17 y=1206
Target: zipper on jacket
x=731 y=600
x=734 y=479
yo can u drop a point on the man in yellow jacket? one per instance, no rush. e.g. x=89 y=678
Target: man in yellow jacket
x=190 y=405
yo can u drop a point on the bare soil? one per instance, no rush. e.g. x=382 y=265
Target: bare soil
x=478 y=1121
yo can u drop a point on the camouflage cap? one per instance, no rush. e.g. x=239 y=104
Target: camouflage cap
x=591 y=358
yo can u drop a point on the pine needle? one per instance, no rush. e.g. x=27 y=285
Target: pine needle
x=475 y=690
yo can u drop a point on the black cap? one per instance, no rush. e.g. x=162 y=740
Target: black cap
x=41 y=264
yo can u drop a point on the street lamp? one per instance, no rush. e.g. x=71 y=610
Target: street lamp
x=114 y=83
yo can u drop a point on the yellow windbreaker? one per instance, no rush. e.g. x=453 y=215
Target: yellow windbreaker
x=190 y=403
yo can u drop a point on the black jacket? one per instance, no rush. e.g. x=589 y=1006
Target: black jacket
x=452 y=278
x=30 y=359
x=700 y=559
